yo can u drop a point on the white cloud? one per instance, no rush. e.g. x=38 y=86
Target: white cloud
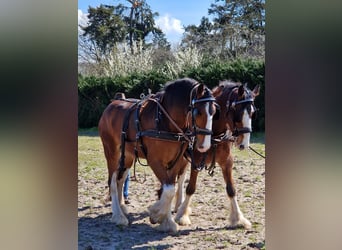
x=169 y=25
x=82 y=19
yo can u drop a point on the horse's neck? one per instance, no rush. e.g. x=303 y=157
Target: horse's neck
x=177 y=115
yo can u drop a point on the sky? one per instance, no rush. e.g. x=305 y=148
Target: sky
x=173 y=14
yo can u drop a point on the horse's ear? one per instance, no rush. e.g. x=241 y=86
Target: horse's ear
x=256 y=90
x=217 y=90
x=200 y=90
x=241 y=90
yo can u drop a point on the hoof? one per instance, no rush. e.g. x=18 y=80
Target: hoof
x=168 y=226
x=124 y=209
x=246 y=223
x=156 y=216
x=152 y=220
x=183 y=221
x=184 y=218
x=242 y=222
x=119 y=220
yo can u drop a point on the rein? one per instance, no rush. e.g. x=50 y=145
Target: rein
x=256 y=152
x=170 y=119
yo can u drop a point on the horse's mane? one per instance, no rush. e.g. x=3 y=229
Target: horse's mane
x=183 y=81
x=228 y=85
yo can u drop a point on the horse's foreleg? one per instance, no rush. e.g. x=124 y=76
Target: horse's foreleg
x=161 y=211
x=180 y=189
x=118 y=216
x=236 y=216
x=184 y=211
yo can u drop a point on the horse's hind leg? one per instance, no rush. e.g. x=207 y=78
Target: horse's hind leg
x=112 y=157
x=184 y=211
x=236 y=217
x=118 y=217
x=120 y=182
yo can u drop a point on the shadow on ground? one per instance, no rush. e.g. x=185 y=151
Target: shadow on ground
x=100 y=233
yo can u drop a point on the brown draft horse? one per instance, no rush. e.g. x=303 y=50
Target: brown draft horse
x=234 y=125
x=159 y=129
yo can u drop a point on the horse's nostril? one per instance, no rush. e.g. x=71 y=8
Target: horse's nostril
x=242 y=147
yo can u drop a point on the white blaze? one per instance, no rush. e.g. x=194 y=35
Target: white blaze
x=208 y=126
x=246 y=123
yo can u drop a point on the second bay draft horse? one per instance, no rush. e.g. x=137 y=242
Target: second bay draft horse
x=158 y=128
x=234 y=125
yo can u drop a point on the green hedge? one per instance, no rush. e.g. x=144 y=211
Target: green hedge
x=95 y=93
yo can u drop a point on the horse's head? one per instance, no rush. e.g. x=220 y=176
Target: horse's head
x=192 y=106
x=202 y=109
x=239 y=105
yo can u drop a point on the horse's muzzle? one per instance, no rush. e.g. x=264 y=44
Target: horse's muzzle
x=203 y=149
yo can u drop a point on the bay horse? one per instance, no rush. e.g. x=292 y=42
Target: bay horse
x=159 y=128
x=233 y=126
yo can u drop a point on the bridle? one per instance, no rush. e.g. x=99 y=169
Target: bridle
x=231 y=107
x=193 y=111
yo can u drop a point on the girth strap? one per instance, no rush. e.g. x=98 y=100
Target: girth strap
x=180 y=151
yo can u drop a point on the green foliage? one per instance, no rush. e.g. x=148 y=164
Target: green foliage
x=111 y=25
x=106 y=27
x=237 y=30
x=95 y=93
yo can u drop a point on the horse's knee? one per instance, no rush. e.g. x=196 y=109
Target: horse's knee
x=230 y=190
x=190 y=190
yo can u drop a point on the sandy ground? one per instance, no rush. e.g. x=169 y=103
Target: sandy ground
x=210 y=211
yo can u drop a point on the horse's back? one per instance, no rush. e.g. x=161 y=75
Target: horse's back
x=111 y=121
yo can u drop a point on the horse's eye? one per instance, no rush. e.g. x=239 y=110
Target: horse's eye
x=196 y=112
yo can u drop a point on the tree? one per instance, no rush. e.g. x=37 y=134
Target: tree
x=240 y=23
x=237 y=29
x=200 y=36
x=109 y=25
x=111 y=28
x=106 y=27
x=140 y=22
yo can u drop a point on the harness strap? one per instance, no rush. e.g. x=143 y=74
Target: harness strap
x=203 y=131
x=170 y=119
x=213 y=161
x=172 y=164
x=138 y=138
x=124 y=138
x=239 y=131
x=163 y=135
x=222 y=137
